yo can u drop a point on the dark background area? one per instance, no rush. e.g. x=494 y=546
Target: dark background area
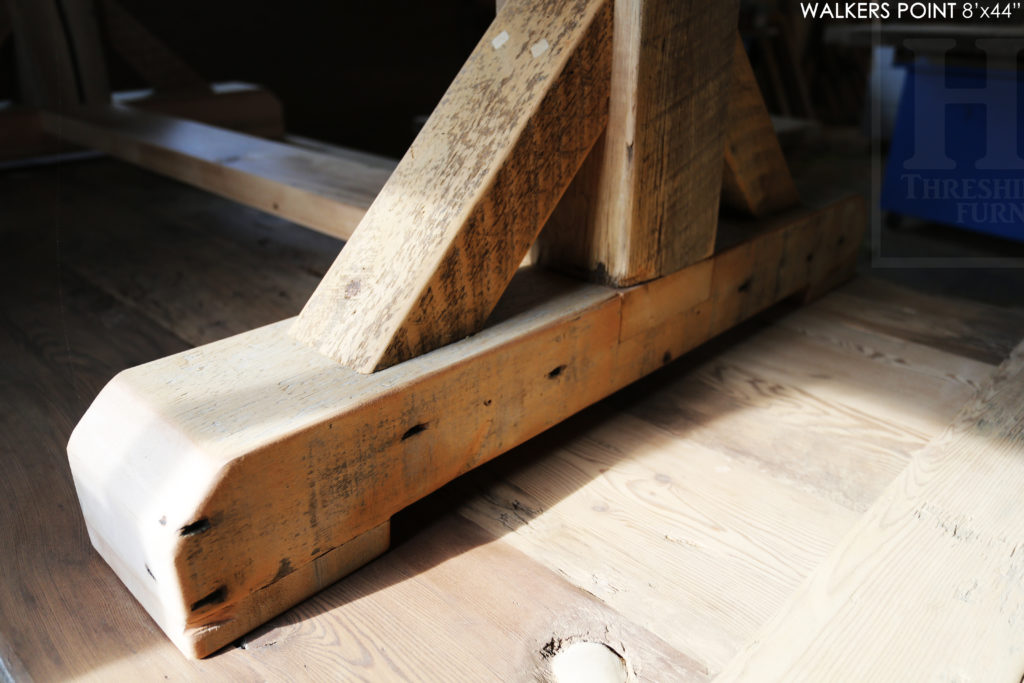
x=354 y=73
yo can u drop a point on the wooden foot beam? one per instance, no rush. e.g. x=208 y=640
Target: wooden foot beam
x=329 y=193
x=449 y=229
x=945 y=543
x=210 y=477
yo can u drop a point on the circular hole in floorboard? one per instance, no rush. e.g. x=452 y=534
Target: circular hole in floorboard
x=588 y=662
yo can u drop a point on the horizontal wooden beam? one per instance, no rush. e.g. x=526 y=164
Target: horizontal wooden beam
x=237 y=106
x=928 y=586
x=210 y=477
x=329 y=193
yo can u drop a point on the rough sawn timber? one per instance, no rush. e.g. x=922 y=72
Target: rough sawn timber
x=756 y=179
x=329 y=193
x=645 y=202
x=208 y=478
x=437 y=248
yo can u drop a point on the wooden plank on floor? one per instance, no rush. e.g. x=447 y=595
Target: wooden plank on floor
x=236 y=106
x=448 y=231
x=928 y=585
x=697 y=547
x=980 y=331
x=831 y=395
x=329 y=193
x=186 y=245
x=645 y=203
x=464 y=605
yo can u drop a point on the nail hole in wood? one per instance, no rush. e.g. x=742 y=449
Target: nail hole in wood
x=556 y=372
x=413 y=431
x=196 y=527
x=745 y=286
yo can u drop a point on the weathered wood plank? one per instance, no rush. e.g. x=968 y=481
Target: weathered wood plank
x=66 y=616
x=756 y=180
x=236 y=106
x=328 y=193
x=941 y=544
x=449 y=229
x=982 y=332
x=345 y=451
x=645 y=203
x=147 y=54
x=723 y=545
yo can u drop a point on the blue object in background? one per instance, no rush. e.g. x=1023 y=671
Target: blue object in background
x=957 y=152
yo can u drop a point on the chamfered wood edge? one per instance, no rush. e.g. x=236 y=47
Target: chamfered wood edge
x=216 y=472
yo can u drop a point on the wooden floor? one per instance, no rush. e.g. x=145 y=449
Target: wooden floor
x=682 y=521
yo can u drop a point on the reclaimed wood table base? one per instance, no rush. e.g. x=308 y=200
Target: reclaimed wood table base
x=672 y=521
x=227 y=483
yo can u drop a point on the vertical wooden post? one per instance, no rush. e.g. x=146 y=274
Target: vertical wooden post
x=645 y=203
x=46 y=74
x=86 y=47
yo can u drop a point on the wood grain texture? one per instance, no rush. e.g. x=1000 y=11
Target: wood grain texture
x=67 y=616
x=236 y=106
x=444 y=237
x=645 y=203
x=756 y=180
x=693 y=511
x=928 y=584
x=450 y=600
x=199 y=432
x=326 y=193
x=146 y=54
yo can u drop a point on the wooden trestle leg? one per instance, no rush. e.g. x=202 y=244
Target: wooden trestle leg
x=229 y=482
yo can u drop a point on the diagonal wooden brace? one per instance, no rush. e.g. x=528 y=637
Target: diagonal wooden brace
x=442 y=240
